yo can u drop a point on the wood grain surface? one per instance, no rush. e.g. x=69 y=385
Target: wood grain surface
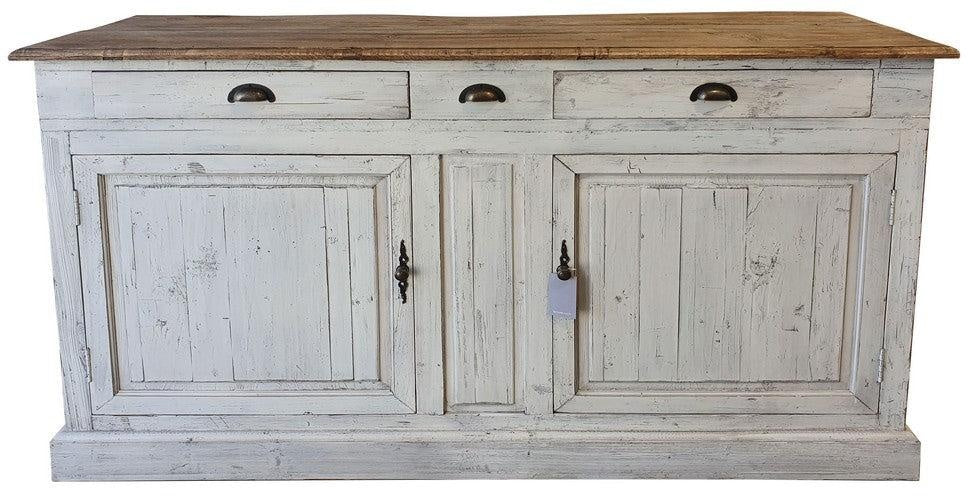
x=757 y=35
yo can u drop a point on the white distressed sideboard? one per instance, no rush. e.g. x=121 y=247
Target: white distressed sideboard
x=321 y=247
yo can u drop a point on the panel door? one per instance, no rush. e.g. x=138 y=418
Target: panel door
x=723 y=283
x=245 y=284
x=490 y=282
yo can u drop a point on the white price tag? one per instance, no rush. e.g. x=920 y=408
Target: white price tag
x=562 y=297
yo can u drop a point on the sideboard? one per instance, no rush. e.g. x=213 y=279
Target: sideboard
x=323 y=246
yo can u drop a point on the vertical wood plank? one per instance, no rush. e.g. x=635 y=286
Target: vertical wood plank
x=659 y=242
x=780 y=271
x=594 y=350
x=276 y=241
x=207 y=283
x=61 y=213
x=159 y=300
x=492 y=295
x=830 y=274
x=537 y=331
x=903 y=272
x=459 y=292
x=711 y=305
x=620 y=326
x=427 y=283
x=339 y=282
x=128 y=346
x=364 y=280
x=564 y=330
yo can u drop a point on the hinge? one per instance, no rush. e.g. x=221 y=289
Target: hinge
x=87 y=351
x=881 y=365
x=77 y=208
x=892 y=209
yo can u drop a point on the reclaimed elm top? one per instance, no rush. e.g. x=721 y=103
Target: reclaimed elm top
x=380 y=37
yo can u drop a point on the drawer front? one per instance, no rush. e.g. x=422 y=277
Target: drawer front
x=526 y=95
x=666 y=94
x=296 y=94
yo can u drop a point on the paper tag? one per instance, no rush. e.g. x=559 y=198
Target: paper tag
x=562 y=297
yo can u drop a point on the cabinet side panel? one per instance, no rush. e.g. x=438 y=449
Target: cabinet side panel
x=62 y=217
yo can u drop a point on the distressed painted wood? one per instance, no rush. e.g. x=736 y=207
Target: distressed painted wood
x=427 y=283
x=756 y=297
x=902 y=92
x=903 y=271
x=236 y=280
x=665 y=94
x=62 y=213
x=746 y=284
x=497 y=422
x=203 y=94
x=482 y=344
x=472 y=454
x=417 y=137
x=435 y=95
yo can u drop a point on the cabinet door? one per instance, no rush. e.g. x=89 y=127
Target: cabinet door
x=492 y=268
x=246 y=284
x=723 y=283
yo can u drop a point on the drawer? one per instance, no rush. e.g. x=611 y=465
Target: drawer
x=295 y=94
x=518 y=94
x=758 y=94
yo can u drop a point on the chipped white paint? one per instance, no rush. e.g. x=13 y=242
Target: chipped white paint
x=741 y=284
x=202 y=94
x=236 y=281
x=435 y=95
x=665 y=94
x=733 y=265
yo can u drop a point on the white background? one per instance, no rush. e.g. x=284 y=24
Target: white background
x=939 y=408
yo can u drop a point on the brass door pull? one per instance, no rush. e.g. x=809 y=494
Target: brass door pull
x=482 y=92
x=251 y=92
x=713 y=92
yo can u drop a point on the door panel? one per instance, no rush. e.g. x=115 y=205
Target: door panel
x=493 y=276
x=481 y=340
x=754 y=289
x=237 y=287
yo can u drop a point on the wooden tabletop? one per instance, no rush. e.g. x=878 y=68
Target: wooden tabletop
x=623 y=36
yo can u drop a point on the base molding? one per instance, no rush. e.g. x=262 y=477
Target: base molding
x=80 y=456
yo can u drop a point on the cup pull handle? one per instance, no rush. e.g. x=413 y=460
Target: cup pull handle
x=251 y=92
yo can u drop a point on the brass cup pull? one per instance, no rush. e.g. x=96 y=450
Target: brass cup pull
x=251 y=92
x=402 y=272
x=482 y=92
x=713 y=92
